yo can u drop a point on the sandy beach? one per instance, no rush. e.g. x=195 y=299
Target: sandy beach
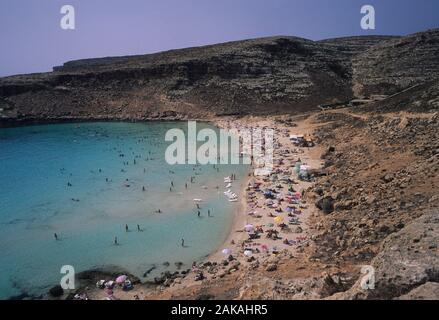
x=308 y=156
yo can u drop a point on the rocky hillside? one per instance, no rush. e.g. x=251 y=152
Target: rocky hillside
x=238 y=77
x=355 y=45
x=259 y=76
x=407 y=265
x=262 y=76
x=396 y=64
x=384 y=174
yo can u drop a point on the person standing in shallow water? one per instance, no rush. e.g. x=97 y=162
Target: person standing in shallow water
x=138 y=228
x=182 y=242
x=55 y=236
x=115 y=241
x=126 y=228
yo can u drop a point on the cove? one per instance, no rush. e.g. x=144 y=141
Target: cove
x=86 y=182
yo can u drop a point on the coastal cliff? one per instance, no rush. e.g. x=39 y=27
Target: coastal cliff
x=260 y=76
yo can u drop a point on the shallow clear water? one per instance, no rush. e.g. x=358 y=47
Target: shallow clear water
x=38 y=162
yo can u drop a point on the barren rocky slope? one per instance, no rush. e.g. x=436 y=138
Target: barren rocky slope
x=259 y=76
x=383 y=161
x=384 y=173
x=394 y=65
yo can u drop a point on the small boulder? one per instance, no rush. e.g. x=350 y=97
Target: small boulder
x=326 y=204
x=56 y=291
x=271 y=267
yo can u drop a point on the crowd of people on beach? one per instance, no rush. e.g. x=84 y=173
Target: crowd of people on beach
x=274 y=201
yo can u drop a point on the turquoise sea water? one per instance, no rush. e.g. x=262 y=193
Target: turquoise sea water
x=38 y=162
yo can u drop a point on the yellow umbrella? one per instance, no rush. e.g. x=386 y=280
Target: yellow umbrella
x=278 y=219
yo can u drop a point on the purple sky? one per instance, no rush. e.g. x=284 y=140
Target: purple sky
x=32 y=40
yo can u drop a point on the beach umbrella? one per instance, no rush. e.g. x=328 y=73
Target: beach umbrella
x=248 y=227
x=121 y=279
x=278 y=219
x=227 y=251
x=248 y=253
x=264 y=247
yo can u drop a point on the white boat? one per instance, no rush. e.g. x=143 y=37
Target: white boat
x=232 y=195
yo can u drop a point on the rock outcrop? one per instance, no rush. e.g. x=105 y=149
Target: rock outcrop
x=407 y=266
